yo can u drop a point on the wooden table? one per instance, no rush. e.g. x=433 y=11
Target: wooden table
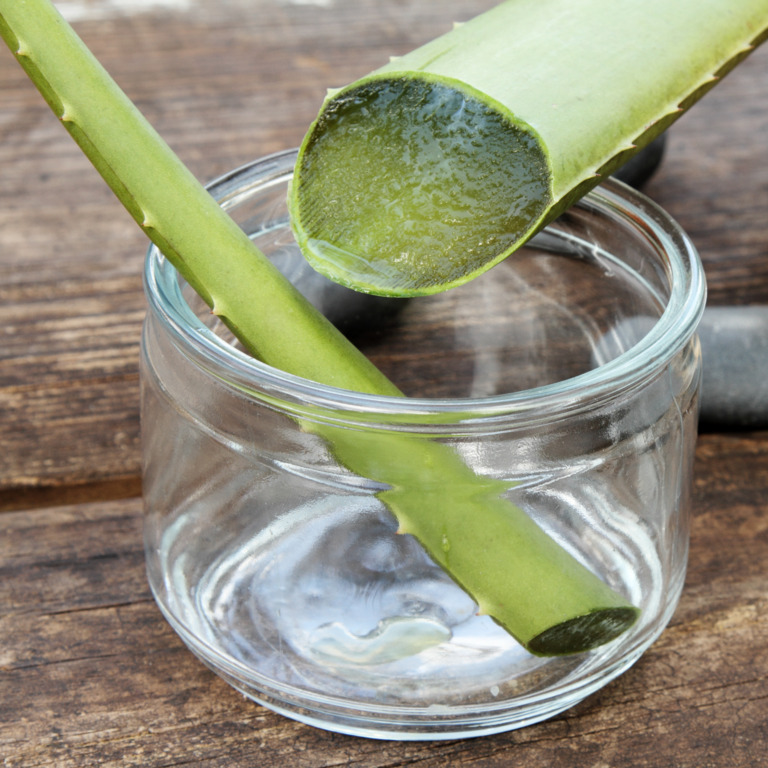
x=90 y=674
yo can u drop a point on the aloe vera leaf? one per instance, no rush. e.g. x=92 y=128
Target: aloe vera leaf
x=436 y=166
x=506 y=562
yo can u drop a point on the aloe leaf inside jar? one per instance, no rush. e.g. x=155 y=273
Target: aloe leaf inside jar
x=410 y=186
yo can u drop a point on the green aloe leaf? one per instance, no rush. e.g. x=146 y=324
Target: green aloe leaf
x=436 y=166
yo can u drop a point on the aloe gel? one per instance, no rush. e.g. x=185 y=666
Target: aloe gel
x=423 y=164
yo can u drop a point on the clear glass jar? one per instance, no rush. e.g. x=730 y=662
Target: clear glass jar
x=567 y=377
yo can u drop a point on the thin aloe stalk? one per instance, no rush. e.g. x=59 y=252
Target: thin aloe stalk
x=517 y=574
x=436 y=166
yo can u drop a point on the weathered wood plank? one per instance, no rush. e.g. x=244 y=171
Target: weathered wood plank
x=226 y=82
x=92 y=675
x=714 y=181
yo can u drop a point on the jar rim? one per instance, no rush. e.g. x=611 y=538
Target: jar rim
x=669 y=334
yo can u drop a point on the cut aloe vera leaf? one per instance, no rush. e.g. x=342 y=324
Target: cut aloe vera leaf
x=432 y=169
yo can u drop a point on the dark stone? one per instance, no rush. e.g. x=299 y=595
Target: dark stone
x=734 y=342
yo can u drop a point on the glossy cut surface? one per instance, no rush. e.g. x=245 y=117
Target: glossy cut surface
x=404 y=174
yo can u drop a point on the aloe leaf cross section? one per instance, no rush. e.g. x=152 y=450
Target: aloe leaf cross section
x=441 y=163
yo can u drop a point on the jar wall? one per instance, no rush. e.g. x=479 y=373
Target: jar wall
x=278 y=559
x=257 y=538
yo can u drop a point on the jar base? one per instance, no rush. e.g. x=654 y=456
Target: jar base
x=402 y=723
x=287 y=615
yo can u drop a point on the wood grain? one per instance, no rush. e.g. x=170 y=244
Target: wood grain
x=90 y=673
x=225 y=84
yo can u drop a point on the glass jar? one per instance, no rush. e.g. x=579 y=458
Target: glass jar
x=565 y=380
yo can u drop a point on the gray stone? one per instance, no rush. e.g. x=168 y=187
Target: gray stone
x=734 y=344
